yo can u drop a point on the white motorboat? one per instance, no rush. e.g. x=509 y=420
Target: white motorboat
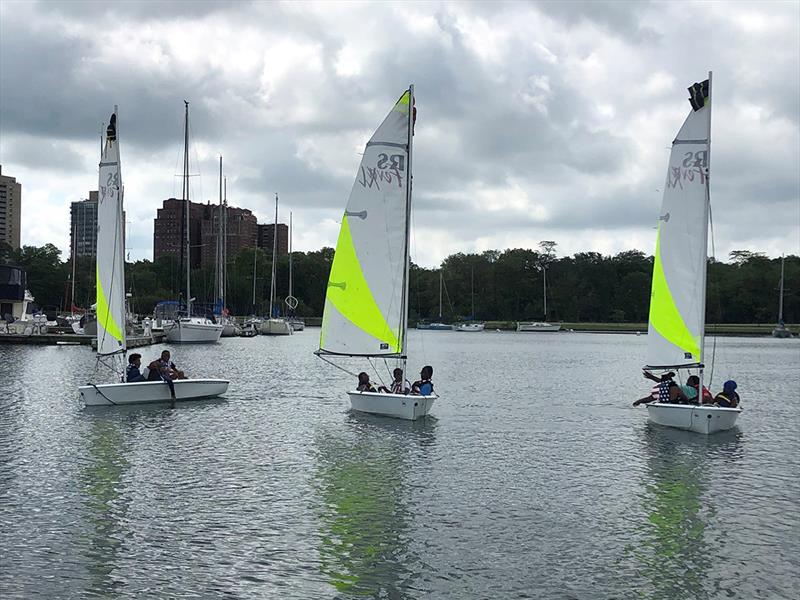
x=366 y=302
x=435 y=326
x=537 y=326
x=468 y=327
x=676 y=328
x=275 y=326
x=151 y=391
x=111 y=334
x=193 y=330
x=401 y=406
x=297 y=324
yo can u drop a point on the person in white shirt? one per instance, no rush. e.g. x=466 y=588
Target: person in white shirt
x=400 y=385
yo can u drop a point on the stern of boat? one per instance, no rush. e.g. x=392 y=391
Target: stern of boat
x=700 y=419
x=399 y=406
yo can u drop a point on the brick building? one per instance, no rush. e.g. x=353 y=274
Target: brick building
x=265 y=238
x=10 y=210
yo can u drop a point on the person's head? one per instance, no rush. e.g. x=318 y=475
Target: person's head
x=693 y=381
x=729 y=386
x=398 y=374
x=135 y=359
x=667 y=376
x=165 y=355
x=363 y=378
x=427 y=372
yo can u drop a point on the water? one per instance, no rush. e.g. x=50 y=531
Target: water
x=535 y=478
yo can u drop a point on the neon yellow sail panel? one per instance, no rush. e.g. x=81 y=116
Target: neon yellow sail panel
x=365 y=307
x=664 y=315
x=349 y=292
x=105 y=318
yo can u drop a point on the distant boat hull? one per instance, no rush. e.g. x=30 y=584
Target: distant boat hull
x=469 y=327
x=700 y=419
x=275 y=327
x=193 y=331
x=229 y=330
x=400 y=406
x=435 y=326
x=537 y=326
x=297 y=324
x=782 y=332
x=145 y=392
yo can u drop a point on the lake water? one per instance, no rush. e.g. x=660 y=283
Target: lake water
x=535 y=478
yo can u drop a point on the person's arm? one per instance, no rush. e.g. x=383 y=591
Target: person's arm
x=651 y=377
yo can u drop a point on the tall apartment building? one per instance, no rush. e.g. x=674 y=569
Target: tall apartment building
x=10 y=210
x=83 y=227
x=266 y=236
x=168 y=233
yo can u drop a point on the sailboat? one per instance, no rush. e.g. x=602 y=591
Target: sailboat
x=470 y=325
x=366 y=303
x=111 y=334
x=529 y=326
x=190 y=329
x=229 y=328
x=291 y=302
x=438 y=325
x=274 y=325
x=676 y=326
x=781 y=330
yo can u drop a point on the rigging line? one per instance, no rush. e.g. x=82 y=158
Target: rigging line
x=719 y=300
x=330 y=362
x=374 y=368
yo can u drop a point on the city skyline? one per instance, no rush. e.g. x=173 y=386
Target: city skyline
x=561 y=134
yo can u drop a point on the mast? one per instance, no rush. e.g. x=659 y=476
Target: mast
x=274 y=256
x=440 y=294
x=220 y=242
x=186 y=208
x=225 y=241
x=544 y=289
x=780 y=298
x=290 y=254
x=704 y=230
x=472 y=291
x=74 y=258
x=406 y=249
x=255 y=260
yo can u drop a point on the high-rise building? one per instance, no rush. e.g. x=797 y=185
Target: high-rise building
x=266 y=236
x=83 y=227
x=10 y=210
x=169 y=236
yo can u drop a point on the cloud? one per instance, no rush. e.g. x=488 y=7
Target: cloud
x=539 y=120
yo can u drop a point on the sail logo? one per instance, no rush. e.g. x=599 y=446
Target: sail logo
x=389 y=169
x=693 y=167
x=112 y=183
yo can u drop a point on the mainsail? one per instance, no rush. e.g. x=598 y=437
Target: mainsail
x=110 y=249
x=678 y=295
x=365 y=304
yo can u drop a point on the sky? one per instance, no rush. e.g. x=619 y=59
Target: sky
x=536 y=120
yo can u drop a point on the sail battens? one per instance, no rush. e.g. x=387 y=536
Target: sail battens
x=363 y=313
x=110 y=271
x=677 y=302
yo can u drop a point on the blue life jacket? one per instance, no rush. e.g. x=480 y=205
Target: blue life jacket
x=426 y=389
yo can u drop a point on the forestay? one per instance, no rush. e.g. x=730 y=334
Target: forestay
x=365 y=312
x=110 y=249
x=677 y=301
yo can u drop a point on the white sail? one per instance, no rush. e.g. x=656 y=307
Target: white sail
x=110 y=249
x=365 y=312
x=677 y=302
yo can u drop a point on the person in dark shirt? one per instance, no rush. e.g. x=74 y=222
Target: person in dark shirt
x=162 y=368
x=728 y=398
x=132 y=372
x=424 y=387
x=363 y=383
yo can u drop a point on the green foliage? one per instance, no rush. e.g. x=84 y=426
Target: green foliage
x=585 y=287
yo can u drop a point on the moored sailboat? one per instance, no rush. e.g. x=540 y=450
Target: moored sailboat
x=366 y=303
x=274 y=325
x=189 y=328
x=676 y=326
x=111 y=334
x=781 y=330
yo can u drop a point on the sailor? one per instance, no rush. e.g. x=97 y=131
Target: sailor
x=728 y=398
x=400 y=385
x=163 y=368
x=132 y=372
x=665 y=390
x=363 y=383
x=424 y=387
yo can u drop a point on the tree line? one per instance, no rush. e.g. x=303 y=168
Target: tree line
x=501 y=285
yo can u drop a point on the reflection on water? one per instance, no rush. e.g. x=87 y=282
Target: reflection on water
x=364 y=522
x=674 y=553
x=101 y=480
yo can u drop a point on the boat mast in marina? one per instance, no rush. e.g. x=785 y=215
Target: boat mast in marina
x=781 y=330
x=275 y=325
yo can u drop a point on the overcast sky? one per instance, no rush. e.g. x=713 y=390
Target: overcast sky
x=537 y=120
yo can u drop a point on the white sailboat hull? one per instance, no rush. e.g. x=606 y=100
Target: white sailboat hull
x=700 y=419
x=144 y=392
x=297 y=325
x=193 y=332
x=469 y=327
x=400 y=406
x=229 y=330
x=275 y=327
x=537 y=326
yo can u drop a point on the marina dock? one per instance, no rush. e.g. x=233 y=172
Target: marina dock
x=72 y=339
